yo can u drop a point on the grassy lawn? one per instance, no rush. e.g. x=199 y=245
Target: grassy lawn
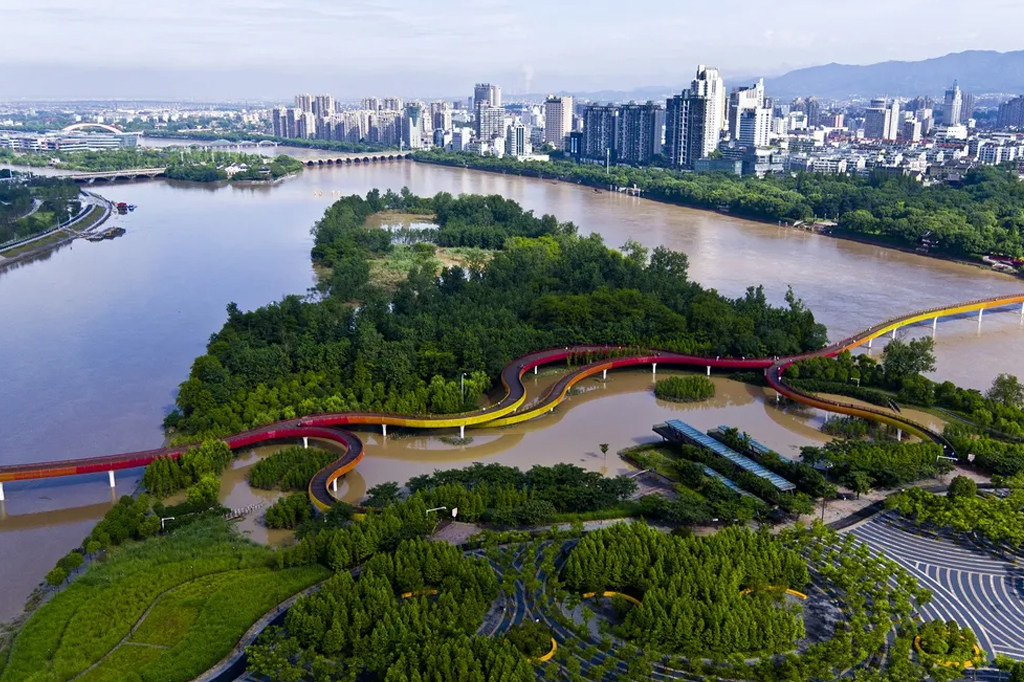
x=88 y=221
x=207 y=586
x=394 y=268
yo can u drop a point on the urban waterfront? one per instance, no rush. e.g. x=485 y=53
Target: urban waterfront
x=98 y=336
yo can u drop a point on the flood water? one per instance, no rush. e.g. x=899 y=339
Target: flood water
x=95 y=338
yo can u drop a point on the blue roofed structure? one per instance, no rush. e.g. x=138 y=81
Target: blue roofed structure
x=680 y=432
x=727 y=482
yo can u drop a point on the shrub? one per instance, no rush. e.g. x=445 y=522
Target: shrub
x=685 y=389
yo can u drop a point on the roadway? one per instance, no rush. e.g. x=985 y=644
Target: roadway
x=979 y=590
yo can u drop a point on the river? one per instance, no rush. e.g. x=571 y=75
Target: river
x=96 y=337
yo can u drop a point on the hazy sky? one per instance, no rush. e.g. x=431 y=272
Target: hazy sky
x=270 y=48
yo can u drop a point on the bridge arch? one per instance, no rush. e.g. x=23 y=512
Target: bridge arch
x=83 y=126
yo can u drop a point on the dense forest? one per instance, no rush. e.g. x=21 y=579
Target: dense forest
x=692 y=590
x=356 y=346
x=982 y=216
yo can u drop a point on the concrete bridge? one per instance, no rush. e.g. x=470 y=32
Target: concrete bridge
x=111 y=176
x=345 y=159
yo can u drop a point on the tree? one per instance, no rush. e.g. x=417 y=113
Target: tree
x=860 y=482
x=903 y=359
x=604 y=448
x=204 y=493
x=56 y=576
x=382 y=494
x=961 y=486
x=71 y=562
x=1006 y=389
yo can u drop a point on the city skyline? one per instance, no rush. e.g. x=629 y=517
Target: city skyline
x=268 y=48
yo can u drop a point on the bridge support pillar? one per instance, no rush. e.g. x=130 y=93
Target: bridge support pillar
x=709 y=370
x=535 y=369
x=2 y=498
x=1022 y=309
x=110 y=475
x=334 y=485
x=894 y=333
x=870 y=343
x=935 y=324
x=385 y=429
x=899 y=435
x=305 y=442
x=462 y=431
x=654 y=369
x=981 y=311
x=604 y=375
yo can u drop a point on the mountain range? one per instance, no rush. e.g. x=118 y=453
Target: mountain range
x=977 y=71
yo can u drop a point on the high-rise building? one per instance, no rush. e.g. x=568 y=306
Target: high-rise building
x=709 y=85
x=392 y=104
x=686 y=119
x=1011 y=113
x=952 y=106
x=744 y=99
x=280 y=118
x=370 y=103
x=441 y=115
x=305 y=124
x=412 y=127
x=323 y=105
x=485 y=94
x=557 y=120
x=639 y=133
x=911 y=130
x=461 y=137
x=386 y=128
x=600 y=123
x=518 y=143
x=882 y=120
x=755 y=127
x=304 y=102
x=967 y=110
x=292 y=119
x=490 y=123
x=813 y=108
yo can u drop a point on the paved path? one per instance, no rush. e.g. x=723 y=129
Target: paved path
x=977 y=589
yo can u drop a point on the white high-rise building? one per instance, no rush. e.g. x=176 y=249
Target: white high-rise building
x=709 y=85
x=304 y=102
x=412 y=127
x=557 y=120
x=518 y=143
x=744 y=99
x=755 y=127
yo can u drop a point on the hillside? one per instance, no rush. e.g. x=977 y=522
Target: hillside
x=978 y=71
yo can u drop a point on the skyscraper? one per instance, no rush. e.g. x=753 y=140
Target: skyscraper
x=304 y=102
x=392 y=104
x=744 y=99
x=952 y=106
x=686 y=118
x=485 y=94
x=639 y=133
x=557 y=120
x=967 y=110
x=709 y=85
x=813 y=108
x=599 y=132
x=370 y=103
x=441 y=115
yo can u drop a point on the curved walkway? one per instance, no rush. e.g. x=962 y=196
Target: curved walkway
x=506 y=411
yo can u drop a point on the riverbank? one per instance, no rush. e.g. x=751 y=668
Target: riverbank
x=763 y=195
x=86 y=222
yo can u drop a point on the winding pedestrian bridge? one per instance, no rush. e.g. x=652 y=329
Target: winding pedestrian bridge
x=591 y=360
